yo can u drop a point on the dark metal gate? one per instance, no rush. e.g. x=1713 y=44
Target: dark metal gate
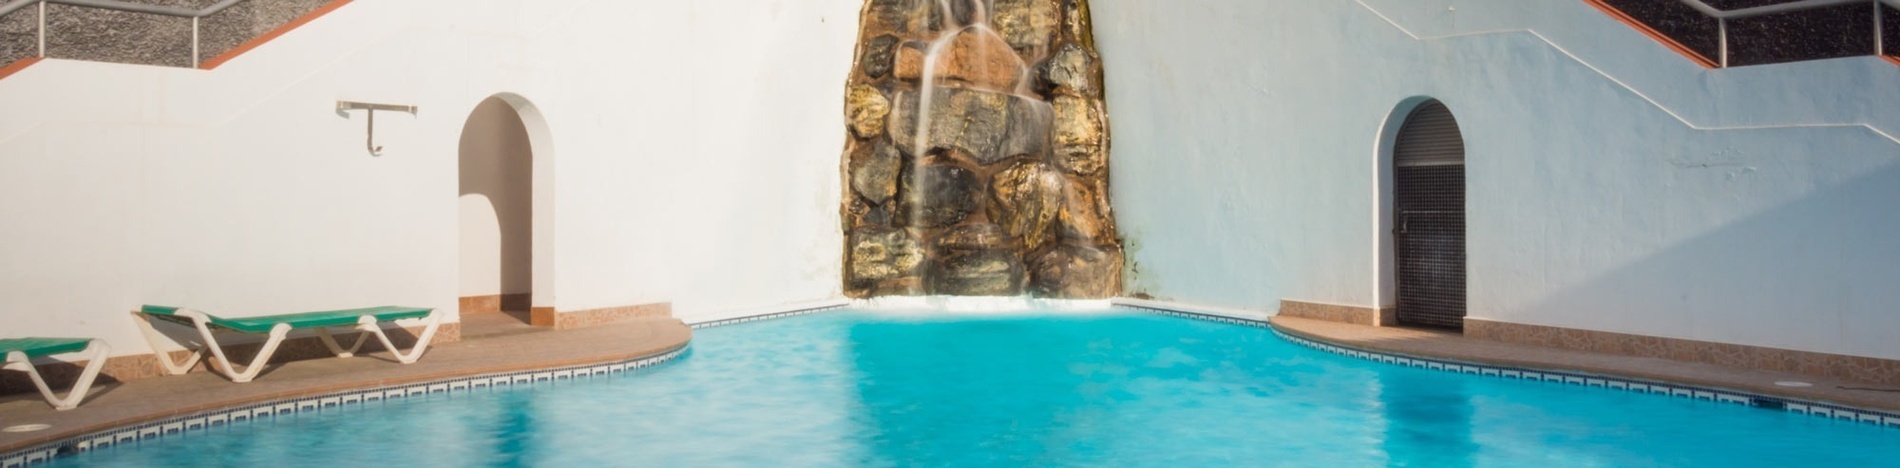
x=1429 y=218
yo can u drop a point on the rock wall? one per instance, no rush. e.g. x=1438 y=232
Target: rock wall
x=977 y=162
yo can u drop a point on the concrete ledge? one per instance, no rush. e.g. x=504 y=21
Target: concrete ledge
x=1854 y=368
x=568 y=320
x=114 y=406
x=1356 y=315
x=495 y=303
x=1447 y=345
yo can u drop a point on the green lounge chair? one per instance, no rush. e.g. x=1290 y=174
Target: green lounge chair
x=365 y=321
x=21 y=351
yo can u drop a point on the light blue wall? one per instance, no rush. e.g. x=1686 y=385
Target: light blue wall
x=1613 y=184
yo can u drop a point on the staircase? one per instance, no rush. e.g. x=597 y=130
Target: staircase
x=174 y=33
x=1730 y=33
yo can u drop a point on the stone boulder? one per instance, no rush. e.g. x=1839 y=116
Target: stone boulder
x=879 y=56
x=1073 y=71
x=1081 y=144
x=1085 y=214
x=972 y=237
x=1026 y=24
x=867 y=110
x=987 y=126
x=972 y=59
x=899 y=16
x=1025 y=198
x=977 y=273
x=882 y=253
x=1077 y=272
x=874 y=170
x=941 y=195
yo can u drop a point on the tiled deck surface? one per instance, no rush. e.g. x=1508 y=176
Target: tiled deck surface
x=1452 y=346
x=516 y=350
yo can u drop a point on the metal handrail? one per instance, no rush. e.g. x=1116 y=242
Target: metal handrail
x=118 y=5
x=1723 y=16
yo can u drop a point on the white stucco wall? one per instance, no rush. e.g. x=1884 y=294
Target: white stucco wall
x=1613 y=185
x=693 y=148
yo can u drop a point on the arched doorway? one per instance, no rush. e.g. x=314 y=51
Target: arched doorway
x=1427 y=224
x=499 y=196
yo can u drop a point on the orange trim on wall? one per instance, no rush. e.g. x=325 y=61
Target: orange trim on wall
x=1890 y=58
x=273 y=34
x=18 y=65
x=1653 y=33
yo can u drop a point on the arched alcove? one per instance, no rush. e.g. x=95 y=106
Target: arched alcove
x=503 y=193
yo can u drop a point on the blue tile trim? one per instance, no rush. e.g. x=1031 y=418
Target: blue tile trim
x=175 y=426
x=1876 y=417
x=770 y=316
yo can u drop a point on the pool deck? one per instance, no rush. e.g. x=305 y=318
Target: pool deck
x=1446 y=345
x=518 y=349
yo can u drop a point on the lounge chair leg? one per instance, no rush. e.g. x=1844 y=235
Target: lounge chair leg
x=330 y=342
x=153 y=338
x=95 y=361
x=368 y=324
x=229 y=369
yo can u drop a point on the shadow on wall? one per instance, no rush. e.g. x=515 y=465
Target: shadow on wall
x=1815 y=274
x=497 y=210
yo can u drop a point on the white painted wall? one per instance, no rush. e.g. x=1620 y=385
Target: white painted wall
x=693 y=149
x=1613 y=184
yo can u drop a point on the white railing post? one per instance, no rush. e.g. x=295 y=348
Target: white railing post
x=1880 y=37
x=42 y=29
x=1722 y=30
x=194 y=42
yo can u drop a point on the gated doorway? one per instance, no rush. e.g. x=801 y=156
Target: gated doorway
x=1428 y=218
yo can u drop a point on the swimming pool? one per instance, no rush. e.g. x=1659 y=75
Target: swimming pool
x=1118 y=388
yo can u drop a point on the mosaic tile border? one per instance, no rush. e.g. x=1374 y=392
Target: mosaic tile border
x=769 y=316
x=181 y=425
x=1811 y=408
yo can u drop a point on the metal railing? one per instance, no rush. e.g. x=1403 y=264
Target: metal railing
x=116 y=5
x=1722 y=18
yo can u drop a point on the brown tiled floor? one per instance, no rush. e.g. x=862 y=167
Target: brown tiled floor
x=1452 y=346
x=157 y=398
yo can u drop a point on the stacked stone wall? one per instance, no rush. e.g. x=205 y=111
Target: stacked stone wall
x=999 y=186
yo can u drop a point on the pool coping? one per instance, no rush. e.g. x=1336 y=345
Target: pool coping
x=33 y=453
x=1553 y=374
x=162 y=428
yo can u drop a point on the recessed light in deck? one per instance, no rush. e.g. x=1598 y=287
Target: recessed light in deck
x=26 y=428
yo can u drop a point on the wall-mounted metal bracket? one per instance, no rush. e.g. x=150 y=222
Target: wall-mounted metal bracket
x=343 y=107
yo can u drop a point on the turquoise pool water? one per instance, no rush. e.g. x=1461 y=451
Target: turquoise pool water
x=855 y=388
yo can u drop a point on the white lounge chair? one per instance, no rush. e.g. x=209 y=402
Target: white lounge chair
x=21 y=351
x=364 y=321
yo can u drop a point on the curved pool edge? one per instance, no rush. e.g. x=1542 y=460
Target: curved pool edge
x=1675 y=386
x=171 y=422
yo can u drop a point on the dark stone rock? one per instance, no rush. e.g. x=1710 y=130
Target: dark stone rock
x=970 y=237
x=1026 y=24
x=1025 y=198
x=1074 y=71
x=942 y=195
x=882 y=253
x=977 y=273
x=880 y=54
x=867 y=110
x=1081 y=145
x=900 y=16
x=989 y=127
x=874 y=170
x=1078 y=272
